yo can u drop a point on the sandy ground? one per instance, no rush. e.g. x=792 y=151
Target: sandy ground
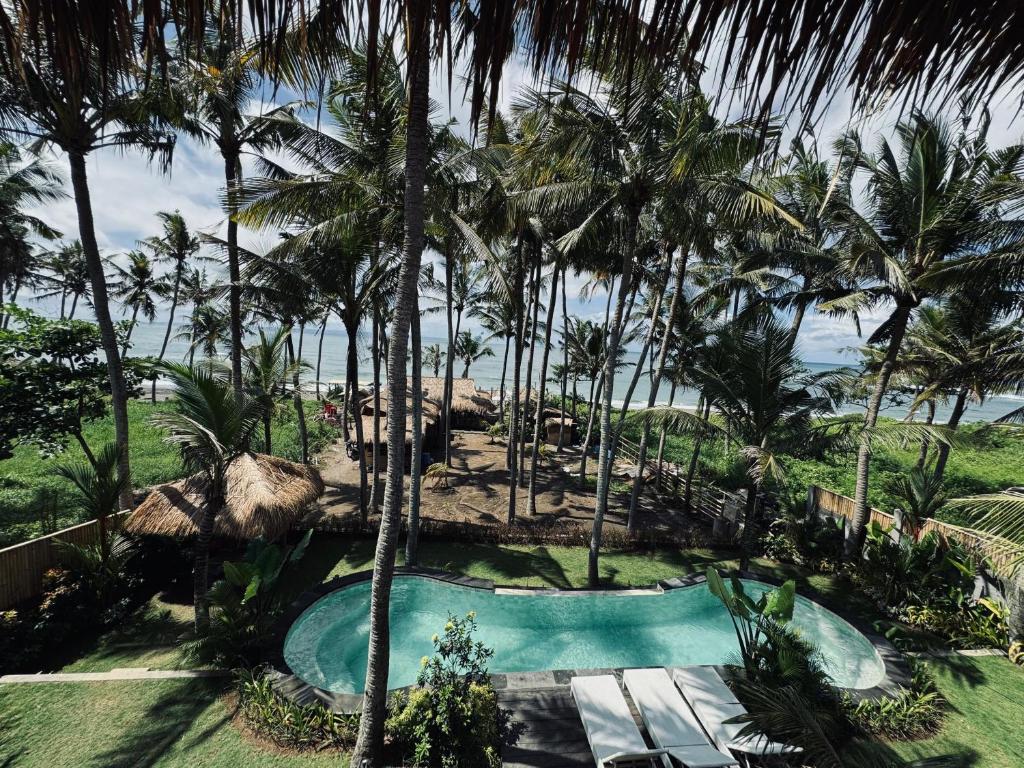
x=478 y=490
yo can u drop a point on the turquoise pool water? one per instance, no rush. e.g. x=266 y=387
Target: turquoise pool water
x=327 y=644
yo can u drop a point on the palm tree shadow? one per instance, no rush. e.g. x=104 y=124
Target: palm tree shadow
x=164 y=723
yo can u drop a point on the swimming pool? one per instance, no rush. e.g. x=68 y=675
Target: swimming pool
x=327 y=644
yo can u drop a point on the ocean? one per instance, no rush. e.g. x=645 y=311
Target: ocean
x=486 y=372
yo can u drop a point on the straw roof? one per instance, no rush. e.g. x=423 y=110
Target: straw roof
x=466 y=398
x=431 y=413
x=265 y=496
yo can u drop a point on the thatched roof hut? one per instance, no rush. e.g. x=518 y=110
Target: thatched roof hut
x=466 y=398
x=265 y=496
x=431 y=413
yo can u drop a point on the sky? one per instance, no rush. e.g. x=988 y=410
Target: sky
x=127 y=192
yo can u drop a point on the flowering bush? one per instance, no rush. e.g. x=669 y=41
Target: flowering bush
x=452 y=720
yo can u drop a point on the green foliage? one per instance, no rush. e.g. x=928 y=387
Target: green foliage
x=802 y=539
x=757 y=623
x=246 y=603
x=912 y=713
x=452 y=719
x=988 y=460
x=291 y=725
x=101 y=570
x=920 y=494
x=53 y=380
x=929 y=584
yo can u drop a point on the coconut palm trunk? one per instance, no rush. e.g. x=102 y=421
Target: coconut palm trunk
x=565 y=369
x=415 y=468
x=534 y=310
x=179 y=267
x=662 y=437
x=108 y=336
x=449 y=359
x=370 y=742
x=538 y=420
x=352 y=375
x=512 y=453
x=922 y=455
x=501 y=390
x=596 y=384
x=300 y=413
x=659 y=369
x=952 y=424
x=611 y=356
x=201 y=566
x=320 y=355
x=232 y=168
x=375 y=460
x=747 y=538
x=691 y=471
x=131 y=329
x=900 y=318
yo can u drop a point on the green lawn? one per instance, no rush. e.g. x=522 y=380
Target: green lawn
x=133 y=723
x=989 y=460
x=28 y=485
x=985 y=724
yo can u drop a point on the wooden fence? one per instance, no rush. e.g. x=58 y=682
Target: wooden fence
x=1000 y=553
x=22 y=566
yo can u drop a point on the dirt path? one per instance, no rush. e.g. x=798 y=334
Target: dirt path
x=478 y=490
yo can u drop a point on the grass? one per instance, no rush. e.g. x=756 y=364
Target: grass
x=154 y=723
x=984 y=727
x=29 y=487
x=988 y=460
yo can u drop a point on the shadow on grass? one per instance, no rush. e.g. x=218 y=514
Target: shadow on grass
x=497 y=562
x=165 y=722
x=960 y=669
x=877 y=753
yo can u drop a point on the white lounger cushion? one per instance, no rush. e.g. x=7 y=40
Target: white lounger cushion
x=613 y=735
x=713 y=702
x=669 y=721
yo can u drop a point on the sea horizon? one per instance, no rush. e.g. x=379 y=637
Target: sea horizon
x=486 y=372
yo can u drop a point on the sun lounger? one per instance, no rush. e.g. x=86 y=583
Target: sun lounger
x=614 y=737
x=713 y=703
x=670 y=722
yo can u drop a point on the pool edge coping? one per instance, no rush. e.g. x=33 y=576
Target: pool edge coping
x=896 y=669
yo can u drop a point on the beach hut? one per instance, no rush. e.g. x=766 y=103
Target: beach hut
x=430 y=423
x=472 y=408
x=265 y=496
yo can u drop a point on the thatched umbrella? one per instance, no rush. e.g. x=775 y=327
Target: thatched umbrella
x=265 y=496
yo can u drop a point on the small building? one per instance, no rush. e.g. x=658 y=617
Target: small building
x=430 y=423
x=472 y=408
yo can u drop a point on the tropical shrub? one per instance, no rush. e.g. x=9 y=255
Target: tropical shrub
x=810 y=540
x=245 y=604
x=913 y=713
x=287 y=724
x=964 y=622
x=452 y=719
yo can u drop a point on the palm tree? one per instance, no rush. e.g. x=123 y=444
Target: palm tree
x=42 y=105
x=497 y=318
x=22 y=183
x=769 y=402
x=137 y=290
x=267 y=375
x=99 y=488
x=470 y=348
x=68 y=277
x=975 y=351
x=220 y=75
x=211 y=426
x=433 y=358
x=207 y=328
x=935 y=197
x=176 y=246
